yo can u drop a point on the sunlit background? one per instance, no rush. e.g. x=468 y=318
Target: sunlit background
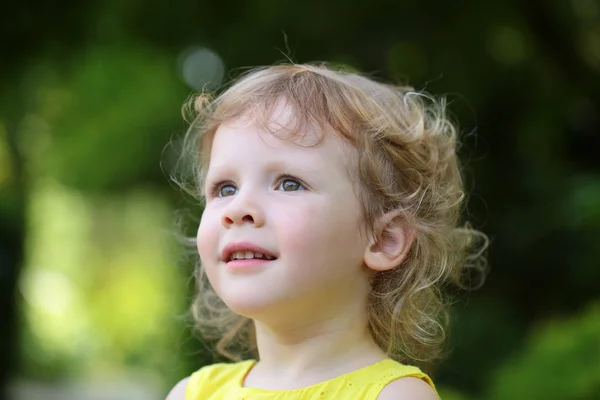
x=94 y=280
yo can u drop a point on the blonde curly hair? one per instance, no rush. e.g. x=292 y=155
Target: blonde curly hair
x=406 y=160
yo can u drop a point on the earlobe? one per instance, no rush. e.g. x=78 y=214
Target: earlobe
x=390 y=243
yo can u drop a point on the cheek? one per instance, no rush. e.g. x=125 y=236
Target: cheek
x=207 y=239
x=325 y=230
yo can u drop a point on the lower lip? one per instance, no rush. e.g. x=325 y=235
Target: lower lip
x=246 y=264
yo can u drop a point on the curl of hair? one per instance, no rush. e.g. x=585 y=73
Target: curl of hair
x=406 y=157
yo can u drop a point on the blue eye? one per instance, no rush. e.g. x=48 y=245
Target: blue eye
x=226 y=190
x=290 y=185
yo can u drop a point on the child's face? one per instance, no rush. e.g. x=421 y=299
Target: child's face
x=295 y=202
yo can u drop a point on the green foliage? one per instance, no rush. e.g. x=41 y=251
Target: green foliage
x=104 y=121
x=110 y=301
x=559 y=360
x=449 y=394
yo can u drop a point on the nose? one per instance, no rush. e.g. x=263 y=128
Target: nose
x=243 y=210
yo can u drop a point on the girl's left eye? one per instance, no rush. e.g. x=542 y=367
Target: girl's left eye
x=290 y=185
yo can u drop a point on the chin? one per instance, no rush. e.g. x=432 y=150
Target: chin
x=251 y=305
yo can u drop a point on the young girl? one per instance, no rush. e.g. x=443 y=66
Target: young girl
x=330 y=224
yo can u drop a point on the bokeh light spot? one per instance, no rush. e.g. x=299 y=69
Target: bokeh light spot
x=201 y=68
x=50 y=291
x=507 y=45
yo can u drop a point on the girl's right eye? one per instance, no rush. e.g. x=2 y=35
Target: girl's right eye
x=225 y=190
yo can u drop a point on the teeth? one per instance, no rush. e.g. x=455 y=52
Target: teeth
x=247 y=255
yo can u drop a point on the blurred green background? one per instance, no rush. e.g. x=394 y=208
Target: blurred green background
x=92 y=278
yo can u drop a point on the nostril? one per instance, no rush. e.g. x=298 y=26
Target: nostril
x=232 y=221
x=235 y=218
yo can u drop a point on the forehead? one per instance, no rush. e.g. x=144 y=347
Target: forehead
x=282 y=133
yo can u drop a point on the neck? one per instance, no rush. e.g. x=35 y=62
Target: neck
x=338 y=344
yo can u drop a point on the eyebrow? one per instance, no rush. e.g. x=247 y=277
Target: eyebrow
x=284 y=166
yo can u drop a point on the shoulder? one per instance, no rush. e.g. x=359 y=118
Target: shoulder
x=408 y=388
x=209 y=379
x=178 y=391
x=224 y=370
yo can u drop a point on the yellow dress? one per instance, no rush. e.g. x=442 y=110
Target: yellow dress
x=224 y=382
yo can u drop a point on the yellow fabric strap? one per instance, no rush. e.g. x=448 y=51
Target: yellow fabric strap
x=193 y=387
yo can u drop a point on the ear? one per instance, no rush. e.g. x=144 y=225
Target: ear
x=390 y=242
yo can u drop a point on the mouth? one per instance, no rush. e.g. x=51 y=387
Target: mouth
x=240 y=251
x=250 y=255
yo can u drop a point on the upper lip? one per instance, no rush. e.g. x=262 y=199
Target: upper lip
x=234 y=247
